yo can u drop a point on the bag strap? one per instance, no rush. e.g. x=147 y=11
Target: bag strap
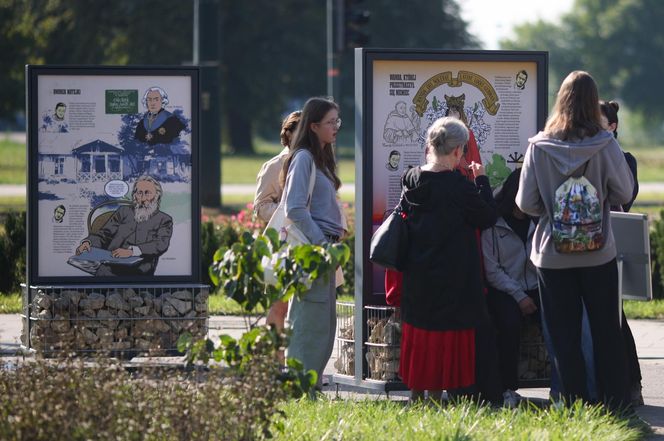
x=312 y=182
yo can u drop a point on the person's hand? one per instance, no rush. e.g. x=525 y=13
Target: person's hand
x=83 y=248
x=527 y=306
x=477 y=169
x=121 y=253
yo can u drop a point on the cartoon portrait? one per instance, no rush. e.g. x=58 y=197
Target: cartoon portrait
x=521 y=78
x=59 y=214
x=158 y=126
x=393 y=161
x=401 y=127
x=135 y=234
x=55 y=122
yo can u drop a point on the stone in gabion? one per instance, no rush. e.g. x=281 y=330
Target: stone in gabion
x=115 y=320
x=43 y=300
x=116 y=301
x=94 y=300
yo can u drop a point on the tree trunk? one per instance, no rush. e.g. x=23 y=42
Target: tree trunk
x=239 y=132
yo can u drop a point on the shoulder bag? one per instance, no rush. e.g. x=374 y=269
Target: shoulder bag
x=389 y=244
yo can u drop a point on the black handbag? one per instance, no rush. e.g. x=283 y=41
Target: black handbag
x=389 y=244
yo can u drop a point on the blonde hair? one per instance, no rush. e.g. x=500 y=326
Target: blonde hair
x=446 y=134
x=576 y=114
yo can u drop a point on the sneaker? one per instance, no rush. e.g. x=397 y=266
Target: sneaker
x=635 y=395
x=511 y=399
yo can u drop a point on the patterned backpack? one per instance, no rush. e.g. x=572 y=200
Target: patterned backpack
x=577 y=216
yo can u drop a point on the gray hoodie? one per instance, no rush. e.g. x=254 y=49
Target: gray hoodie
x=548 y=163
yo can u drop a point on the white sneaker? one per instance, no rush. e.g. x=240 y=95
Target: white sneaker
x=511 y=399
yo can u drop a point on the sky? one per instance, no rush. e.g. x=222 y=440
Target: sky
x=493 y=20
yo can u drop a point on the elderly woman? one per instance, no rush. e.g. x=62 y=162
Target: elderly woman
x=442 y=302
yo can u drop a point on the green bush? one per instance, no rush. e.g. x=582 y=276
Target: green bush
x=348 y=288
x=657 y=257
x=12 y=252
x=214 y=236
x=69 y=400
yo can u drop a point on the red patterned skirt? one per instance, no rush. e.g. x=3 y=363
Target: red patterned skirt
x=436 y=360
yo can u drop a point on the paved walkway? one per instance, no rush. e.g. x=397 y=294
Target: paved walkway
x=648 y=334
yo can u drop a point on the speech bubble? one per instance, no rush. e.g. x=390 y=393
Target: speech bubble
x=116 y=188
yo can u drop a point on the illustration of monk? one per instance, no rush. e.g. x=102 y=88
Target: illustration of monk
x=399 y=127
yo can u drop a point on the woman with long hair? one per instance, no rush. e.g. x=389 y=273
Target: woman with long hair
x=576 y=263
x=312 y=319
x=268 y=187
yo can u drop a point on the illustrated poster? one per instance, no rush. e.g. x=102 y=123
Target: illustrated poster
x=496 y=100
x=114 y=171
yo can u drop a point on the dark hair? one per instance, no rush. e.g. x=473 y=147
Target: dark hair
x=60 y=105
x=522 y=72
x=314 y=111
x=507 y=193
x=610 y=110
x=60 y=206
x=576 y=113
x=289 y=125
x=394 y=152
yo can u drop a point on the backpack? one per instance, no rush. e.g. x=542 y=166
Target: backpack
x=577 y=216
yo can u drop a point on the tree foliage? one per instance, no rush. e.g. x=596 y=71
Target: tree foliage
x=272 y=55
x=617 y=41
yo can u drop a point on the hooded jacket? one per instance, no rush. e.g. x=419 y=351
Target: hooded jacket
x=506 y=260
x=442 y=281
x=548 y=163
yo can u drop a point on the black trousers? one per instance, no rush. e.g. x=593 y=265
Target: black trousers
x=562 y=291
x=508 y=321
x=633 y=368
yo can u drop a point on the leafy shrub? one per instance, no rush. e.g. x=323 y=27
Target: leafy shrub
x=69 y=400
x=239 y=272
x=657 y=256
x=12 y=252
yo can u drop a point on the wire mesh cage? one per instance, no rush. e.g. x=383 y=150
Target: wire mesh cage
x=144 y=319
x=534 y=363
x=345 y=362
x=383 y=342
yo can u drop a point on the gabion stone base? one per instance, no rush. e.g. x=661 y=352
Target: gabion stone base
x=127 y=319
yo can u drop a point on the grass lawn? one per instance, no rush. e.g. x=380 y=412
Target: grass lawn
x=12 y=166
x=653 y=309
x=392 y=420
x=222 y=305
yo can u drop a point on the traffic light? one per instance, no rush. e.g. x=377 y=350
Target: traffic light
x=355 y=21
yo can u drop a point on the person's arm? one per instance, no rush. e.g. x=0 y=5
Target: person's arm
x=479 y=205
x=631 y=162
x=161 y=240
x=528 y=198
x=494 y=271
x=268 y=191
x=297 y=197
x=620 y=183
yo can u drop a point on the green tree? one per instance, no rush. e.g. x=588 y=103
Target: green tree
x=618 y=41
x=80 y=32
x=407 y=25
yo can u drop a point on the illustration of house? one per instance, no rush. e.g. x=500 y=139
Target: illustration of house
x=90 y=162
x=169 y=162
x=58 y=163
x=99 y=161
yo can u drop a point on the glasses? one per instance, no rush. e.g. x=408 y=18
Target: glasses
x=336 y=123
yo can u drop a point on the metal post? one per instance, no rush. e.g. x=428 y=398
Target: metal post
x=206 y=54
x=333 y=23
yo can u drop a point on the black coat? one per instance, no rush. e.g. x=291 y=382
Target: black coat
x=442 y=287
x=163 y=133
